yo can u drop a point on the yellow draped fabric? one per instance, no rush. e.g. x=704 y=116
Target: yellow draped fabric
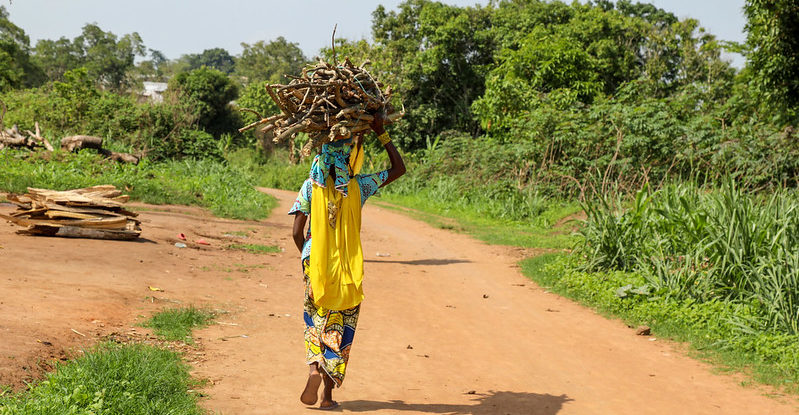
x=336 y=262
x=356 y=160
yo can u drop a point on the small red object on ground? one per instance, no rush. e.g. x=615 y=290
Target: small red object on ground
x=202 y=242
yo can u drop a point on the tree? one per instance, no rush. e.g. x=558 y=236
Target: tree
x=263 y=61
x=773 y=55
x=442 y=54
x=106 y=57
x=547 y=62
x=206 y=93
x=152 y=69
x=56 y=57
x=216 y=58
x=16 y=68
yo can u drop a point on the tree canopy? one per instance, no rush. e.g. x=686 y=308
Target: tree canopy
x=16 y=68
x=773 y=55
x=269 y=61
x=107 y=58
x=553 y=79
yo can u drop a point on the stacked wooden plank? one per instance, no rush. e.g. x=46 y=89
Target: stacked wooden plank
x=92 y=212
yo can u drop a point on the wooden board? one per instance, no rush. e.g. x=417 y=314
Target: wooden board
x=91 y=212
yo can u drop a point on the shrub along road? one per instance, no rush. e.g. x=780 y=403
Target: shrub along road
x=449 y=324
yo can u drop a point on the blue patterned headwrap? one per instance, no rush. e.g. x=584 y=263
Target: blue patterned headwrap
x=334 y=154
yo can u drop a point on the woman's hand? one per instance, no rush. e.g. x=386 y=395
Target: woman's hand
x=378 y=123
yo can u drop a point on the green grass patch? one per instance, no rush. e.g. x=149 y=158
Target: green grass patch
x=176 y=324
x=130 y=379
x=540 y=233
x=274 y=172
x=227 y=191
x=769 y=357
x=255 y=248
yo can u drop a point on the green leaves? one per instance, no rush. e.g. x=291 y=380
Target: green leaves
x=772 y=32
x=205 y=93
x=269 y=61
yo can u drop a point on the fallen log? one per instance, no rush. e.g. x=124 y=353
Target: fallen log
x=121 y=157
x=77 y=142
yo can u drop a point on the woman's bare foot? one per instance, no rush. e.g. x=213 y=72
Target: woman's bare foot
x=310 y=394
x=327 y=393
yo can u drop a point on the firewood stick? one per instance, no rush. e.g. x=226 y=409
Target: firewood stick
x=274 y=98
x=262 y=121
x=291 y=130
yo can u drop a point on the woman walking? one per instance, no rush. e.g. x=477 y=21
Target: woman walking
x=333 y=196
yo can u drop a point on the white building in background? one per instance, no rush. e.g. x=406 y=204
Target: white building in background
x=154 y=91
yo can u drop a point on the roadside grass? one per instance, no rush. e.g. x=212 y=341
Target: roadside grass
x=274 y=171
x=227 y=191
x=767 y=357
x=132 y=379
x=542 y=234
x=255 y=248
x=176 y=324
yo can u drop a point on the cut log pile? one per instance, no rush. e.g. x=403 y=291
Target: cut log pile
x=14 y=138
x=328 y=102
x=92 y=212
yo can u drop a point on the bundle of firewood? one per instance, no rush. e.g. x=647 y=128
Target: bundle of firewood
x=328 y=102
x=92 y=212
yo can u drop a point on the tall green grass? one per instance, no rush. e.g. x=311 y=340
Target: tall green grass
x=111 y=379
x=225 y=190
x=705 y=244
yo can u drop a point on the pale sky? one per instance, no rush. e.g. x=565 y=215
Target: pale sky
x=179 y=27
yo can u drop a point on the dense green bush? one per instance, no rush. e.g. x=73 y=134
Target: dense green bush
x=206 y=94
x=74 y=106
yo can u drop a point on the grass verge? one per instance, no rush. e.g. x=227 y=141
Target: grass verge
x=132 y=379
x=227 y=191
x=552 y=231
x=176 y=324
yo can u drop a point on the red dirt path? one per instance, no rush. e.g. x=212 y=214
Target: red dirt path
x=449 y=325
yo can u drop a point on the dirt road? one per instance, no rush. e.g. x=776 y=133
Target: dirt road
x=449 y=325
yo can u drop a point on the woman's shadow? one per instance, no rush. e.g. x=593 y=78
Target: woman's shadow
x=491 y=403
